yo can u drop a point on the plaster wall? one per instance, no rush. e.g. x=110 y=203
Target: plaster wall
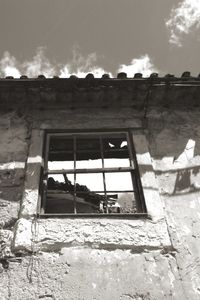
x=155 y=258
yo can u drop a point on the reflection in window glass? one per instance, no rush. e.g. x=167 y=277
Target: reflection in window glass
x=60 y=194
x=90 y=202
x=118 y=181
x=121 y=202
x=62 y=197
x=83 y=191
x=61 y=182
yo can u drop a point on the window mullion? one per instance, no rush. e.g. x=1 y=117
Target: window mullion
x=130 y=150
x=140 y=204
x=93 y=170
x=104 y=178
x=74 y=146
x=45 y=178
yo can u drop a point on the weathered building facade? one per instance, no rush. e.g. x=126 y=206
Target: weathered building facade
x=84 y=244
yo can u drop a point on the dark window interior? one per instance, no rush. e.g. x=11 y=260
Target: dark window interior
x=90 y=173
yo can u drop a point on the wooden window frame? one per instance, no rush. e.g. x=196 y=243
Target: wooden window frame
x=133 y=170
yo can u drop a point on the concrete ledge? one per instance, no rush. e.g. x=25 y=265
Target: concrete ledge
x=54 y=234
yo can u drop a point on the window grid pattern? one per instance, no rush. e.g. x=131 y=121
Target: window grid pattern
x=77 y=153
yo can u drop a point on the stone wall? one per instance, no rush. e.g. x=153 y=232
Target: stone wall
x=155 y=258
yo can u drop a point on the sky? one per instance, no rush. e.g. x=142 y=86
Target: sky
x=63 y=37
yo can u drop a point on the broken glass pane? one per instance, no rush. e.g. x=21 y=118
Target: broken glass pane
x=115 y=152
x=114 y=142
x=85 y=192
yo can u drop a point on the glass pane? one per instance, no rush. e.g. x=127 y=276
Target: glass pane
x=60 y=142
x=60 y=190
x=61 y=155
x=92 y=182
x=60 y=181
x=90 y=202
x=88 y=154
x=87 y=144
x=121 y=203
x=121 y=181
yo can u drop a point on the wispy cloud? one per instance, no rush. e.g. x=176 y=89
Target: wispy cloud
x=143 y=65
x=8 y=65
x=183 y=19
x=79 y=65
x=39 y=64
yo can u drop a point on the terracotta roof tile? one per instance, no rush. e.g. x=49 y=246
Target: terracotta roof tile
x=186 y=76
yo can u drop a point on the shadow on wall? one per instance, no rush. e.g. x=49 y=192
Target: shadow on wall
x=11 y=184
x=180 y=181
x=176 y=162
x=184 y=181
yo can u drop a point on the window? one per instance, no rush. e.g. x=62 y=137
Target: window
x=90 y=173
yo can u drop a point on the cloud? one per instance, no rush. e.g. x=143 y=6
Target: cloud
x=97 y=72
x=79 y=65
x=40 y=64
x=143 y=65
x=183 y=19
x=8 y=65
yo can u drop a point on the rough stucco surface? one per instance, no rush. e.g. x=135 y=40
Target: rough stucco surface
x=106 y=234
x=13 y=154
x=177 y=164
x=82 y=273
x=99 y=259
